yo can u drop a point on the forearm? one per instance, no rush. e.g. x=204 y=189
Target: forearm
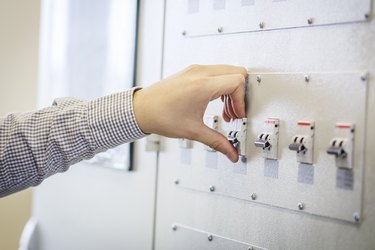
x=36 y=145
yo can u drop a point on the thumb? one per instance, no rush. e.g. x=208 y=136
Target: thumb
x=218 y=142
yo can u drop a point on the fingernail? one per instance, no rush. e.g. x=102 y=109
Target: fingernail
x=232 y=158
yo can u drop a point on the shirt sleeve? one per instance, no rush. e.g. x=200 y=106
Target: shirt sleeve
x=36 y=145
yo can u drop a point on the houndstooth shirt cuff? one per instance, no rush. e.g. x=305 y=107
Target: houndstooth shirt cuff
x=39 y=144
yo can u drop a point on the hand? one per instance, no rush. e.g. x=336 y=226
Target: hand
x=174 y=107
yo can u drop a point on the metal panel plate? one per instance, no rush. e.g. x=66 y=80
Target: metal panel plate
x=199 y=239
x=290 y=98
x=210 y=17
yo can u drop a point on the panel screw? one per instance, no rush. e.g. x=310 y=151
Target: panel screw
x=250 y=248
x=253 y=196
x=184 y=33
x=177 y=181
x=356 y=217
x=174 y=227
x=307 y=78
x=210 y=237
x=367 y=16
x=364 y=78
x=220 y=29
x=261 y=25
x=310 y=21
x=259 y=79
x=212 y=188
x=301 y=206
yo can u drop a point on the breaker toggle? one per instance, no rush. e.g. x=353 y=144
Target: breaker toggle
x=342 y=146
x=298 y=145
x=303 y=142
x=262 y=142
x=337 y=148
x=237 y=135
x=268 y=140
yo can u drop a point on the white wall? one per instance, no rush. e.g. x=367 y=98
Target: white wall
x=19 y=33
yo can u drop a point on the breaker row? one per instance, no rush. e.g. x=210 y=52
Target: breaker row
x=341 y=146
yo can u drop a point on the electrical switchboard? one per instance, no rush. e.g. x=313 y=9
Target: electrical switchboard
x=305 y=173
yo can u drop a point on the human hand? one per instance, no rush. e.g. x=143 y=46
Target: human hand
x=174 y=107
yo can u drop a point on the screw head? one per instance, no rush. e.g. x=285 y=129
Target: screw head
x=301 y=206
x=220 y=29
x=367 y=16
x=250 y=248
x=310 y=20
x=356 y=217
x=212 y=188
x=364 y=78
x=183 y=33
x=261 y=25
x=177 y=181
x=174 y=227
x=253 y=196
x=210 y=237
x=259 y=79
x=307 y=78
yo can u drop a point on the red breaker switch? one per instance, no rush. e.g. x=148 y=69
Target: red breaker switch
x=303 y=142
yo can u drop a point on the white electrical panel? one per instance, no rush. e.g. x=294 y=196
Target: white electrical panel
x=209 y=17
x=310 y=152
x=305 y=173
x=199 y=239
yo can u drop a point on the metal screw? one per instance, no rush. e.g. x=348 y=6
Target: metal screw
x=174 y=227
x=250 y=248
x=177 y=181
x=184 y=33
x=364 y=78
x=259 y=79
x=301 y=206
x=310 y=21
x=253 y=196
x=367 y=16
x=261 y=25
x=307 y=78
x=220 y=29
x=212 y=188
x=210 y=237
x=356 y=217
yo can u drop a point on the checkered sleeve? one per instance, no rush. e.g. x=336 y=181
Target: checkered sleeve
x=39 y=144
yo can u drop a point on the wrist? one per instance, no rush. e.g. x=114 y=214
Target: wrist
x=139 y=110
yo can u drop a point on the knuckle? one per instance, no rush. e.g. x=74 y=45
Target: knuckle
x=194 y=67
x=241 y=79
x=216 y=145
